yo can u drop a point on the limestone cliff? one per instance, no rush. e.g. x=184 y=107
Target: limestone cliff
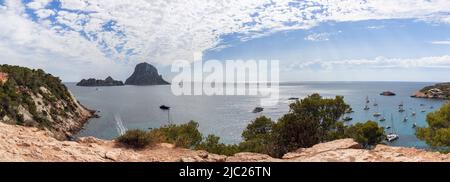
x=19 y=143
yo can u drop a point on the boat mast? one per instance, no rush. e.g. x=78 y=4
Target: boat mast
x=392 y=123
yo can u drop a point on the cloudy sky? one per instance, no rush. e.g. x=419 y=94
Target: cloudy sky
x=321 y=40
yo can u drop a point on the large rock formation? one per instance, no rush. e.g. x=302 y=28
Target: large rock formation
x=145 y=74
x=18 y=143
x=109 y=81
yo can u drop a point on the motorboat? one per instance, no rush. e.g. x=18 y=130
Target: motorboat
x=377 y=114
x=348 y=118
x=258 y=110
x=164 y=107
x=392 y=137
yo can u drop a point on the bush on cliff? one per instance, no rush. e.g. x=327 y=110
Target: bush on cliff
x=309 y=121
x=136 y=139
x=367 y=134
x=437 y=134
x=212 y=144
x=184 y=135
x=257 y=137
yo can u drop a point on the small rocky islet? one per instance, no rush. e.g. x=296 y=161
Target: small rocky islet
x=92 y=82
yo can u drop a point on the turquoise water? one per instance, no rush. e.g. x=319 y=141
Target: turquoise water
x=123 y=108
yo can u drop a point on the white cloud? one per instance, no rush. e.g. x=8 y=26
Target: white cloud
x=443 y=42
x=161 y=31
x=376 y=27
x=437 y=62
x=38 y=4
x=317 y=37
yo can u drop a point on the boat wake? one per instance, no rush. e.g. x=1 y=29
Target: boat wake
x=119 y=125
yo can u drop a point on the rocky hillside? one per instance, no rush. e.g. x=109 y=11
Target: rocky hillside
x=37 y=99
x=18 y=143
x=145 y=74
x=438 y=91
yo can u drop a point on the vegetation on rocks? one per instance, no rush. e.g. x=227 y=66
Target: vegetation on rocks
x=21 y=85
x=437 y=134
x=32 y=97
x=136 y=139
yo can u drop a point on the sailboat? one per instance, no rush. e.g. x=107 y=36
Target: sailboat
x=367 y=100
x=366 y=107
x=383 y=119
x=375 y=103
x=377 y=114
x=400 y=108
x=406 y=117
x=392 y=136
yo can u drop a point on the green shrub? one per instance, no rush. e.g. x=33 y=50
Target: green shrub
x=437 y=134
x=258 y=136
x=212 y=145
x=310 y=121
x=136 y=139
x=184 y=135
x=367 y=134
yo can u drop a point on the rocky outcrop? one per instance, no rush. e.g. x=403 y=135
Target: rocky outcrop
x=38 y=99
x=145 y=74
x=438 y=91
x=18 y=143
x=109 y=81
x=347 y=150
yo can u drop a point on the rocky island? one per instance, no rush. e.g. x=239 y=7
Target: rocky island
x=109 y=81
x=145 y=74
x=438 y=91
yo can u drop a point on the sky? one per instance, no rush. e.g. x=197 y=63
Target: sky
x=319 y=40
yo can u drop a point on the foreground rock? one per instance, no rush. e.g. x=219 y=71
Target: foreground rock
x=109 y=81
x=18 y=143
x=145 y=74
x=347 y=150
